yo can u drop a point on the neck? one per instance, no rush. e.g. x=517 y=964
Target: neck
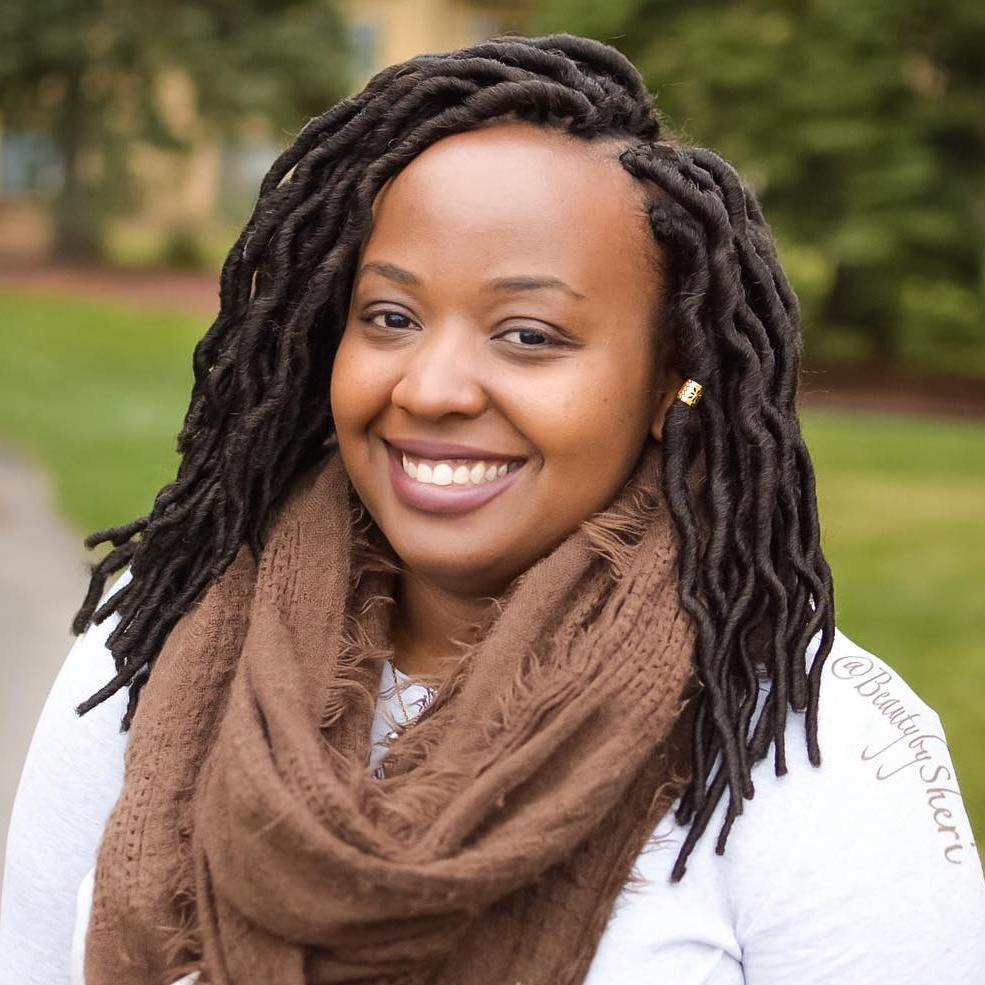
x=428 y=620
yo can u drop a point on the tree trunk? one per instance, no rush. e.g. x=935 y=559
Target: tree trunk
x=77 y=234
x=865 y=297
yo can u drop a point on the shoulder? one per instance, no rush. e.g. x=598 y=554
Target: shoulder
x=72 y=756
x=89 y=664
x=885 y=767
x=878 y=833
x=884 y=744
x=884 y=749
x=87 y=667
x=70 y=780
x=863 y=869
x=864 y=694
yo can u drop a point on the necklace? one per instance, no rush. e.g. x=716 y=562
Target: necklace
x=397 y=688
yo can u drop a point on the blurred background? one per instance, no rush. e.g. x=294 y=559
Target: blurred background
x=133 y=137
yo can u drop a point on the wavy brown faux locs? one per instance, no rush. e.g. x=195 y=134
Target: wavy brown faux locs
x=738 y=477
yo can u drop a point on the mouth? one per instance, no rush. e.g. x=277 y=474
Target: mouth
x=449 y=485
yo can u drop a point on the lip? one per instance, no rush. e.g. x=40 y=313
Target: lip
x=443 y=499
x=445 y=449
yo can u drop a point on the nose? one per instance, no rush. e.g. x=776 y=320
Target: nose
x=441 y=375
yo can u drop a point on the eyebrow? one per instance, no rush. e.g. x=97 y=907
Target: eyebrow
x=514 y=285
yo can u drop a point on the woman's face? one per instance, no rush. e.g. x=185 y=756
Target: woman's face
x=504 y=301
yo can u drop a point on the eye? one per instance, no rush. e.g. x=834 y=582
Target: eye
x=371 y=319
x=533 y=338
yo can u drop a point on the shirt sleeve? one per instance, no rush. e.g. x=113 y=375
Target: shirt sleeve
x=70 y=780
x=881 y=882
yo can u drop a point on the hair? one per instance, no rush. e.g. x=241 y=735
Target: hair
x=738 y=478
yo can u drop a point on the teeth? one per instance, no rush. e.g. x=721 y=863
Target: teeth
x=463 y=473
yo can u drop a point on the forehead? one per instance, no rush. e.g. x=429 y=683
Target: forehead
x=520 y=194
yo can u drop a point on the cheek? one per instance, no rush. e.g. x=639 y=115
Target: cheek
x=588 y=418
x=356 y=389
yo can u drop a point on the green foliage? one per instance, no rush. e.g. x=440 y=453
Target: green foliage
x=860 y=127
x=183 y=250
x=96 y=75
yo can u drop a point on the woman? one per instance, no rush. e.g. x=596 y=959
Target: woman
x=489 y=576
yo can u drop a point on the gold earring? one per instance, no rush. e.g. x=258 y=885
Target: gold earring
x=690 y=392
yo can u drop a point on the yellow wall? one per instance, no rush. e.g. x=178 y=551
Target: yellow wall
x=182 y=190
x=401 y=29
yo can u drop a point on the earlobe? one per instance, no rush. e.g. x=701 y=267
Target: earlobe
x=666 y=398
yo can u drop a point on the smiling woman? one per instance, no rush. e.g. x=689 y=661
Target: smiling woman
x=490 y=578
x=496 y=326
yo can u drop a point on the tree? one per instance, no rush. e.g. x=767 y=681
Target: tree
x=860 y=126
x=90 y=72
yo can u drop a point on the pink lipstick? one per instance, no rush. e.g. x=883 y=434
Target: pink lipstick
x=453 y=498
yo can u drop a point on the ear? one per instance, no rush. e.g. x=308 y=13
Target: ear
x=665 y=398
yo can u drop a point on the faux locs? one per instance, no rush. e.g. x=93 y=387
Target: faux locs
x=737 y=477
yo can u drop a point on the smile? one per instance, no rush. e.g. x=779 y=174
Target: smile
x=457 y=471
x=451 y=485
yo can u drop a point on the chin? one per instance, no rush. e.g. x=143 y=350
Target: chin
x=456 y=569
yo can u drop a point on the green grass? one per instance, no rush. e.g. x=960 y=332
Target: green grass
x=96 y=391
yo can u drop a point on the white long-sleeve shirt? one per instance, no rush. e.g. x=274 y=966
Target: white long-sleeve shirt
x=862 y=871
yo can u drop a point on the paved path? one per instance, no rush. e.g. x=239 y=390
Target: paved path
x=42 y=578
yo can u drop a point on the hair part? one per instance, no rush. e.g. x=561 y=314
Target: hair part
x=738 y=478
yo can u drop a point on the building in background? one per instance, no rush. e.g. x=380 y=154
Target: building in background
x=388 y=31
x=192 y=200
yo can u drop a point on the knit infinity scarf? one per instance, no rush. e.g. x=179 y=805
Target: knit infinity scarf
x=250 y=841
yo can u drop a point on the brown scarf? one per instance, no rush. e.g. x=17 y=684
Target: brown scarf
x=251 y=842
